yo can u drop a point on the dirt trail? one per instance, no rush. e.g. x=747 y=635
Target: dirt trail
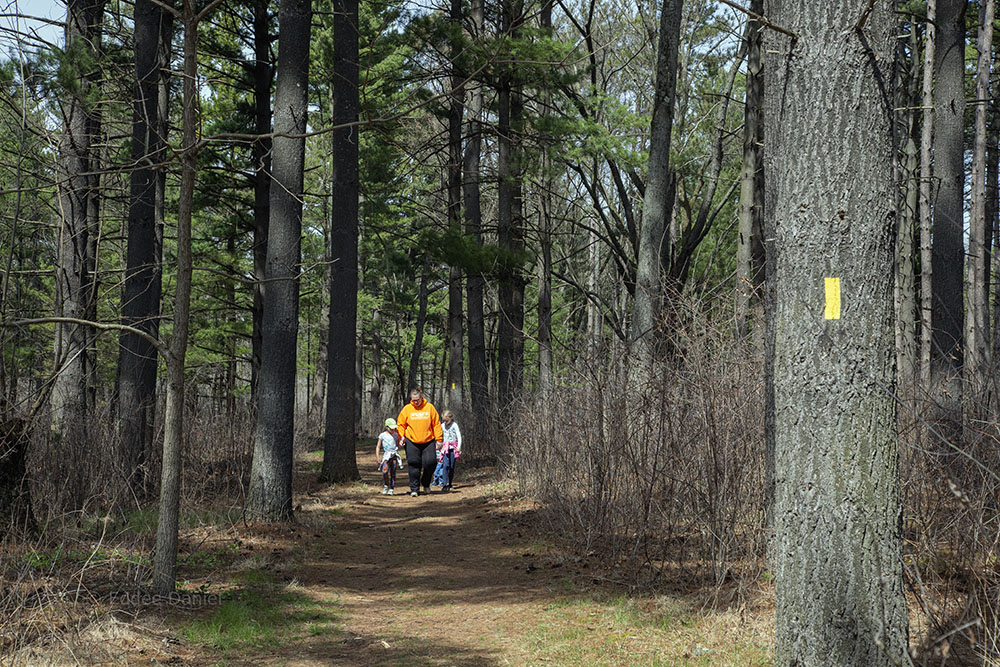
x=447 y=578
x=460 y=578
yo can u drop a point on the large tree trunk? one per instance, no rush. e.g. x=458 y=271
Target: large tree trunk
x=262 y=77
x=545 y=377
x=270 y=493
x=456 y=354
x=977 y=362
x=658 y=198
x=947 y=249
x=926 y=201
x=339 y=462
x=510 y=232
x=79 y=225
x=165 y=559
x=905 y=290
x=750 y=249
x=828 y=157
x=15 y=493
x=137 y=360
x=478 y=368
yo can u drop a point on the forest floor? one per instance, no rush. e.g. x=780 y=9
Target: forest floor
x=460 y=578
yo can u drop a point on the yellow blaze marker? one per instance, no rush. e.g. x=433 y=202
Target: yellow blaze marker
x=832 y=299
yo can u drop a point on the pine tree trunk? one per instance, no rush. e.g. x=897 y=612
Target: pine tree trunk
x=414 y=377
x=750 y=249
x=137 y=360
x=165 y=558
x=905 y=291
x=478 y=373
x=828 y=158
x=545 y=377
x=456 y=355
x=926 y=201
x=977 y=294
x=270 y=494
x=79 y=226
x=657 y=204
x=510 y=232
x=947 y=248
x=339 y=463
x=262 y=77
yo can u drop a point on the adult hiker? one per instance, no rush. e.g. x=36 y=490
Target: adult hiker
x=420 y=427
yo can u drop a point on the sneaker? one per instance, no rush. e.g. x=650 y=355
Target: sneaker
x=414 y=494
x=385 y=490
x=389 y=493
x=427 y=490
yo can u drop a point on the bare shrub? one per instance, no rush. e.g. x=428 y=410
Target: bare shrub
x=666 y=471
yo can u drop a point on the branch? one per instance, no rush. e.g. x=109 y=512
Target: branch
x=100 y=326
x=763 y=21
x=864 y=16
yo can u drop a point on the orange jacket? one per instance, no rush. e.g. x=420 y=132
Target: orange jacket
x=421 y=424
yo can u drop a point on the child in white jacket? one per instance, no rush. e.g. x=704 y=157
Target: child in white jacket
x=451 y=450
x=387 y=453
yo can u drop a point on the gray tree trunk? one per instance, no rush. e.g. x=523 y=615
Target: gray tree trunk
x=165 y=558
x=905 y=290
x=545 y=377
x=650 y=270
x=947 y=248
x=750 y=249
x=269 y=497
x=510 y=225
x=456 y=353
x=927 y=201
x=137 y=359
x=977 y=361
x=414 y=376
x=478 y=368
x=79 y=226
x=317 y=393
x=828 y=157
x=339 y=463
x=262 y=78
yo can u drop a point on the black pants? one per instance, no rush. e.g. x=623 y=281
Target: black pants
x=420 y=455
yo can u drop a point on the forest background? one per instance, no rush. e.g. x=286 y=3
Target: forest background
x=222 y=245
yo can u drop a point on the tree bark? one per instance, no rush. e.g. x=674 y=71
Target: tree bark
x=510 y=232
x=828 y=157
x=657 y=203
x=262 y=77
x=750 y=249
x=339 y=462
x=456 y=356
x=165 y=558
x=270 y=494
x=545 y=371
x=478 y=368
x=905 y=290
x=15 y=492
x=137 y=360
x=414 y=376
x=927 y=201
x=977 y=362
x=947 y=247
x=79 y=226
